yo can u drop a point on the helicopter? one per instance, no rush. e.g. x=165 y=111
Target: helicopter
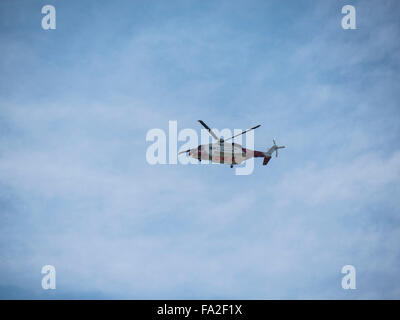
x=229 y=153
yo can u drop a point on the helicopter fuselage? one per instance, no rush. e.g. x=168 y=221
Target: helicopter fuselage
x=226 y=153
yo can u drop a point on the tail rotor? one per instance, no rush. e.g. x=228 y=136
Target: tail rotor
x=276 y=148
x=273 y=149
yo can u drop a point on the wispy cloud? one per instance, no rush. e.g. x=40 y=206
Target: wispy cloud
x=76 y=191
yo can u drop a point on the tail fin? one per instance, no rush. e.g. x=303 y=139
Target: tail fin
x=266 y=160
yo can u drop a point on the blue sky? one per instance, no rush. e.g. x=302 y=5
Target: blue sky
x=76 y=191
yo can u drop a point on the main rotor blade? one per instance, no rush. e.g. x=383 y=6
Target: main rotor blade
x=243 y=132
x=208 y=129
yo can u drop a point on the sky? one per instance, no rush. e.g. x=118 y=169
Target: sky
x=76 y=191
